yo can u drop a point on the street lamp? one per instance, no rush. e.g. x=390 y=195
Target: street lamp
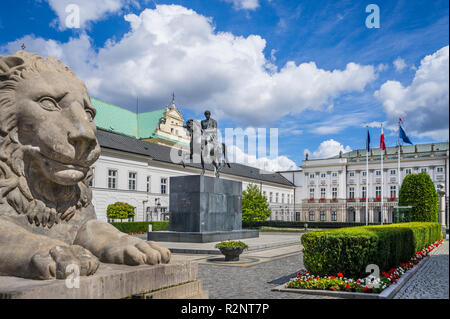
x=441 y=193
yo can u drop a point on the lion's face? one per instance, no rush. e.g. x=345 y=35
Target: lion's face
x=55 y=117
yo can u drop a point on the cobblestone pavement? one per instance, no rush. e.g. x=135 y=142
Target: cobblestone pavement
x=432 y=280
x=227 y=282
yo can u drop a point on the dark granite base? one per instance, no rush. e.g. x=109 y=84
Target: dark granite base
x=201 y=237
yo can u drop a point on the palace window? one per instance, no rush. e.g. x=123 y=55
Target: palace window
x=311 y=175
x=323 y=175
x=112 y=178
x=163 y=185
x=423 y=169
x=132 y=181
x=351 y=192
x=282 y=198
x=311 y=216
x=149 y=184
x=440 y=169
x=364 y=173
x=276 y=197
x=333 y=216
x=393 y=191
x=271 y=197
x=334 y=174
x=322 y=192
x=364 y=192
x=334 y=192
x=311 y=193
x=378 y=173
x=351 y=174
x=408 y=171
x=393 y=172
x=323 y=216
x=377 y=191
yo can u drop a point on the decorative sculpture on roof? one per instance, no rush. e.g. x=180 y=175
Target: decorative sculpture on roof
x=47 y=145
x=205 y=146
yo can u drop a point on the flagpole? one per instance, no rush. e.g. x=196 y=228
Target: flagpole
x=399 y=174
x=367 y=176
x=382 y=179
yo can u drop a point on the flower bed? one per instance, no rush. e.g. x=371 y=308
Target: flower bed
x=370 y=284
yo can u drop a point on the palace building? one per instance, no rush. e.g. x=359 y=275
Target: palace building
x=335 y=189
x=135 y=164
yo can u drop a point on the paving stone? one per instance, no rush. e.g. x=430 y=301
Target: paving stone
x=432 y=280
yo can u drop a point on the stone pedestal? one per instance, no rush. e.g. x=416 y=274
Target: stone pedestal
x=204 y=209
x=171 y=281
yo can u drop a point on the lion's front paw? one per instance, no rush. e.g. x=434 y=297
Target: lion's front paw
x=53 y=263
x=134 y=251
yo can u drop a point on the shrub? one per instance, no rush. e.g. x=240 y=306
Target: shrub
x=120 y=210
x=232 y=243
x=141 y=227
x=255 y=207
x=351 y=250
x=418 y=190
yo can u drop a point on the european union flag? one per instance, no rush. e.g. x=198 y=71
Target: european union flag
x=404 y=137
x=368 y=140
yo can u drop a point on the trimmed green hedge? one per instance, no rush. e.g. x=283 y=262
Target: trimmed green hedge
x=419 y=191
x=351 y=250
x=299 y=224
x=136 y=227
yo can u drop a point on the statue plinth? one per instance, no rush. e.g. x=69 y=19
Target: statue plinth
x=174 y=280
x=204 y=209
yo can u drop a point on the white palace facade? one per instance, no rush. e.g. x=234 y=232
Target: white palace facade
x=335 y=189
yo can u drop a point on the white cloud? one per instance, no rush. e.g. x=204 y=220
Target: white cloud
x=279 y=163
x=423 y=105
x=244 y=4
x=337 y=123
x=89 y=10
x=326 y=149
x=399 y=64
x=172 y=48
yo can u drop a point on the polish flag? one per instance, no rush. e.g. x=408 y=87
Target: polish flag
x=382 y=145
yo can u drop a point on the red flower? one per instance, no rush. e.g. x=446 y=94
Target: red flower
x=332 y=288
x=347 y=286
x=340 y=275
x=318 y=277
x=332 y=277
x=358 y=281
x=366 y=288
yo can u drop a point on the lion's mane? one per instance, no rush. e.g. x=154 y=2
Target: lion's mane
x=14 y=187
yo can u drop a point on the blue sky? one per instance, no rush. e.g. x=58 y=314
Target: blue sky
x=310 y=68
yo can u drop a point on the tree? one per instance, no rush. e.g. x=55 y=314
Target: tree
x=255 y=207
x=120 y=210
x=418 y=190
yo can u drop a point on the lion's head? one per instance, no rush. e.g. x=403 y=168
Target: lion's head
x=47 y=138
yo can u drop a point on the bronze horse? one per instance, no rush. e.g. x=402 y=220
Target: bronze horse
x=209 y=151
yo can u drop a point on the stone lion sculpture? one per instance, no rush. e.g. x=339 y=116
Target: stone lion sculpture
x=47 y=145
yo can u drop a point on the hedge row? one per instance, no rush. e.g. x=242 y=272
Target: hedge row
x=299 y=224
x=136 y=227
x=351 y=250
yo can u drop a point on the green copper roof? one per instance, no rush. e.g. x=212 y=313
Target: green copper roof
x=116 y=119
